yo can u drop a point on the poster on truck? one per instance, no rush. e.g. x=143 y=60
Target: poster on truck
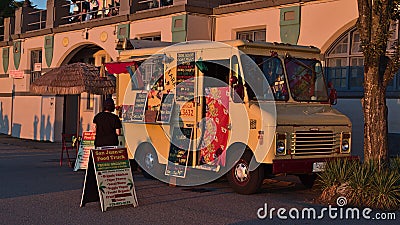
x=185 y=73
x=167 y=105
x=86 y=143
x=179 y=152
x=139 y=107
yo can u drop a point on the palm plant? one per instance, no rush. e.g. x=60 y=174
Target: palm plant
x=385 y=190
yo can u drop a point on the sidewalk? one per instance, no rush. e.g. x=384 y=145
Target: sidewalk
x=6 y=140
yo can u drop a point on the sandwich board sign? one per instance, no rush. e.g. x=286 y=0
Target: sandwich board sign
x=109 y=179
x=87 y=143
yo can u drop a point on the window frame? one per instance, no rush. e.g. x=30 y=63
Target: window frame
x=36 y=56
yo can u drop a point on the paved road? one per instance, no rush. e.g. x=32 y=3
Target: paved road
x=34 y=189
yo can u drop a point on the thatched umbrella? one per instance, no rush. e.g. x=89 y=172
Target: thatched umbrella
x=73 y=79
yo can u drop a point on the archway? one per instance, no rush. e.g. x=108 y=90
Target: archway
x=78 y=110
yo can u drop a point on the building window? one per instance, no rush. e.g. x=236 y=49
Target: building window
x=337 y=71
x=90 y=102
x=152 y=38
x=36 y=64
x=345 y=64
x=356 y=43
x=341 y=47
x=252 y=35
x=394 y=35
x=356 y=79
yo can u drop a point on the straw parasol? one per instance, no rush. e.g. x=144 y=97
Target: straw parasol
x=73 y=79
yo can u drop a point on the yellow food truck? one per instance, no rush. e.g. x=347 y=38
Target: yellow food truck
x=195 y=111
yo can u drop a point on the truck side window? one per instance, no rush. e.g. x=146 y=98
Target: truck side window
x=265 y=78
x=216 y=73
x=236 y=81
x=149 y=74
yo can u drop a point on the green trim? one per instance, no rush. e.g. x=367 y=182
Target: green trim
x=123 y=31
x=294 y=11
x=17 y=53
x=48 y=49
x=179 y=28
x=290 y=26
x=6 y=57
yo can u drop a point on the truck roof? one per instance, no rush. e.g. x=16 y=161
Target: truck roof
x=245 y=46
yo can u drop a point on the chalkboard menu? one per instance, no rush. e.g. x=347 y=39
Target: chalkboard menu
x=179 y=152
x=139 y=107
x=185 y=72
x=167 y=105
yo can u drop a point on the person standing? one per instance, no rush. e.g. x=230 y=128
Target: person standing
x=107 y=126
x=94 y=8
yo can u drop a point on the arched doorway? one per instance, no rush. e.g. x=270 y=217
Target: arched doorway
x=78 y=110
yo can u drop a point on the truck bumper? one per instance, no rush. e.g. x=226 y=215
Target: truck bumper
x=301 y=166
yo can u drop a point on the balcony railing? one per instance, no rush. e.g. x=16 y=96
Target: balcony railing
x=150 y=4
x=39 y=18
x=80 y=12
x=2 y=32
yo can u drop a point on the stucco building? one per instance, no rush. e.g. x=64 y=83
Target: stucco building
x=37 y=40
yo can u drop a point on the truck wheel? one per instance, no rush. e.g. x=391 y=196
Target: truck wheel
x=148 y=161
x=241 y=179
x=308 y=179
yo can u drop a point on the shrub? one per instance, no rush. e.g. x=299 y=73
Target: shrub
x=363 y=184
x=394 y=164
x=360 y=183
x=336 y=172
x=385 y=190
x=333 y=180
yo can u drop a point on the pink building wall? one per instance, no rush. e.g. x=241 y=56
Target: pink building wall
x=321 y=24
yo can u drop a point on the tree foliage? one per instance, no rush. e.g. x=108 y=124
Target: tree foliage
x=7 y=7
x=380 y=65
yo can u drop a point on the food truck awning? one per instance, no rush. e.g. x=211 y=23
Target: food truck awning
x=118 y=67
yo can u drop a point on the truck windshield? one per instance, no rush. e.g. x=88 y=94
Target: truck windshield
x=271 y=79
x=306 y=80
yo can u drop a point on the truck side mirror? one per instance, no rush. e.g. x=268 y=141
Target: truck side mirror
x=332 y=94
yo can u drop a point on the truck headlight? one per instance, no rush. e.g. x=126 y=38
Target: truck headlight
x=280 y=147
x=345 y=144
x=280 y=144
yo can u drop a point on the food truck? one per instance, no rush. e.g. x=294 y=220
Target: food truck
x=195 y=111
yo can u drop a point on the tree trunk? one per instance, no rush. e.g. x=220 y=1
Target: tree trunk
x=375 y=117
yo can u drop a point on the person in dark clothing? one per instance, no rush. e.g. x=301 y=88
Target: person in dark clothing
x=107 y=126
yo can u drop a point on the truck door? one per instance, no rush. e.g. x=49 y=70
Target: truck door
x=214 y=111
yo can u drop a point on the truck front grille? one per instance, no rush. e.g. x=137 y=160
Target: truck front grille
x=314 y=143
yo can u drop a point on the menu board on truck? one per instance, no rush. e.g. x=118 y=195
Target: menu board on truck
x=86 y=143
x=114 y=184
x=127 y=113
x=179 y=152
x=185 y=73
x=139 y=107
x=167 y=105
